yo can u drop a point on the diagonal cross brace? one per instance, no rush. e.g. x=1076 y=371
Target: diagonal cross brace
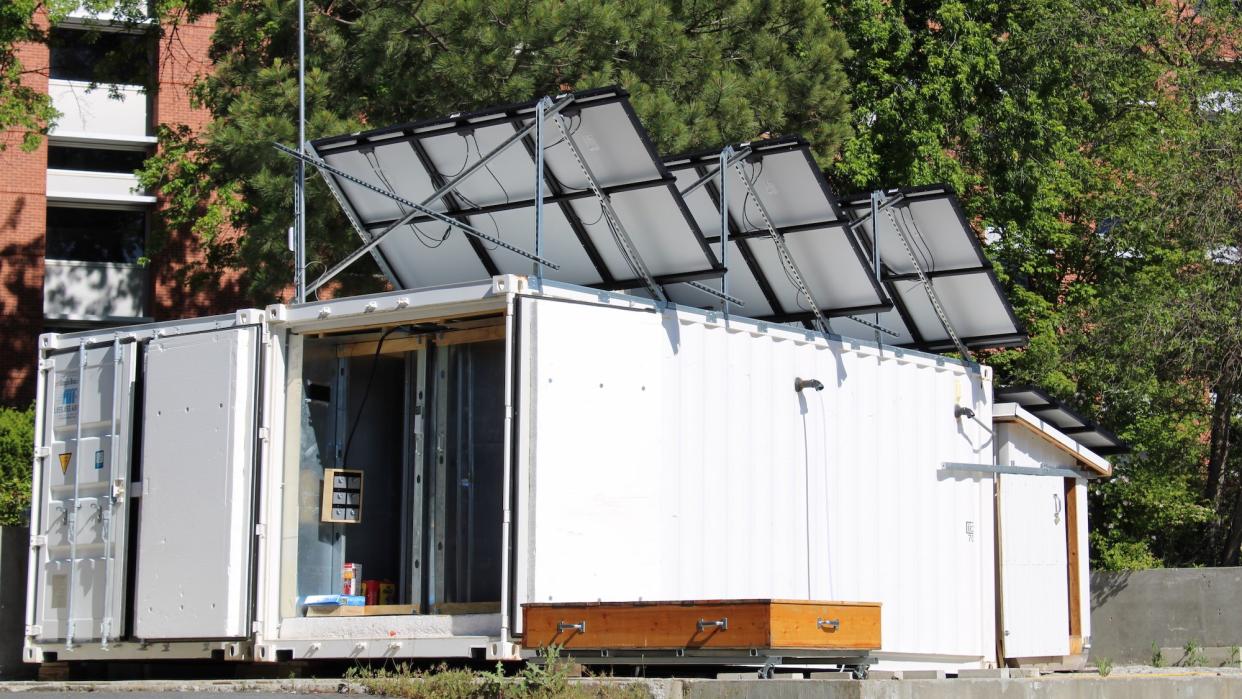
x=786 y=258
x=622 y=238
x=418 y=208
x=927 y=285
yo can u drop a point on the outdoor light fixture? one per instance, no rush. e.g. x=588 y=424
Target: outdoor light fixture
x=800 y=384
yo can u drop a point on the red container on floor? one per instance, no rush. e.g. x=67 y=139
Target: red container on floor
x=371 y=590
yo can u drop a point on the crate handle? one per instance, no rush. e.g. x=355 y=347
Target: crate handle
x=722 y=623
x=563 y=626
x=830 y=624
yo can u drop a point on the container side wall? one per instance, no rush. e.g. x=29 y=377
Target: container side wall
x=674 y=460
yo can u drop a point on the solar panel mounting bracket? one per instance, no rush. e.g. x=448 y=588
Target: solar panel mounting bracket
x=622 y=238
x=782 y=250
x=903 y=236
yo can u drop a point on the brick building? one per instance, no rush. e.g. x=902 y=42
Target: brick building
x=73 y=221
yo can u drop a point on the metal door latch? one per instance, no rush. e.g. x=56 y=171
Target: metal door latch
x=721 y=623
x=829 y=624
x=563 y=626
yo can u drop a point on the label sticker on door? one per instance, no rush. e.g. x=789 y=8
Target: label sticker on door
x=99 y=459
x=66 y=410
x=65 y=458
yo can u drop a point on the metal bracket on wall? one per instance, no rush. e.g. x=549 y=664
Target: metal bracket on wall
x=957 y=467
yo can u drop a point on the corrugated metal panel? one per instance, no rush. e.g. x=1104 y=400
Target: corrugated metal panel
x=672 y=459
x=82 y=507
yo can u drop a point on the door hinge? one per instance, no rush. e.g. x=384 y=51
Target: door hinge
x=43 y=452
x=259 y=530
x=38 y=540
x=33 y=630
x=263 y=434
x=47 y=364
x=256 y=627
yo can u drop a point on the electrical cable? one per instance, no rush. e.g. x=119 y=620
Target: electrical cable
x=366 y=392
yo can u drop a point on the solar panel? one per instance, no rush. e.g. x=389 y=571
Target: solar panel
x=414 y=160
x=797 y=199
x=923 y=230
x=1064 y=418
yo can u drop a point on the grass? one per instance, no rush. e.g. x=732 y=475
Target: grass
x=1194 y=655
x=1105 y=666
x=550 y=680
x=1157 y=657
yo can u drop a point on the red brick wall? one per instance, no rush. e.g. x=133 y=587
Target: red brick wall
x=23 y=216
x=181 y=57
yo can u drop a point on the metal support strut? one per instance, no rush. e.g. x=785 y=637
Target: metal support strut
x=786 y=258
x=622 y=238
x=927 y=285
x=418 y=208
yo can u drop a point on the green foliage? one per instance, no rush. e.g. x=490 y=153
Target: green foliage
x=16 y=454
x=699 y=74
x=549 y=680
x=1077 y=138
x=1194 y=656
x=1104 y=666
x=1157 y=655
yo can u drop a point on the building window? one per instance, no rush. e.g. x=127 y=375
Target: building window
x=117 y=58
x=96 y=235
x=94 y=159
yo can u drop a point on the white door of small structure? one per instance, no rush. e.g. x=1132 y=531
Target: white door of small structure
x=195 y=528
x=1035 y=593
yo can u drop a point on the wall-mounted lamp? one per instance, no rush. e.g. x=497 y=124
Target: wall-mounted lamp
x=960 y=411
x=800 y=384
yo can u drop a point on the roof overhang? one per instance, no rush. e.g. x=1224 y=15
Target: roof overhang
x=1012 y=413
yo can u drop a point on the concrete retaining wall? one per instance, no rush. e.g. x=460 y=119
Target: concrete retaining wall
x=1168 y=607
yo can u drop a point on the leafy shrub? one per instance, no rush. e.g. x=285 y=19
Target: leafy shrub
x=16 y=451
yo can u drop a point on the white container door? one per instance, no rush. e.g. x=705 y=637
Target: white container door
x=195 y=525
x=1035 y=583
x=83 y=499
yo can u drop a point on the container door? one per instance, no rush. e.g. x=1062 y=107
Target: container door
x=83 y=499
x=196 y=526
x=1033 y=563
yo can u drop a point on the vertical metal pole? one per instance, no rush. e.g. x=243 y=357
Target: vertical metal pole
x=724 y=224
x=299 y=205
x=71 y=513
x=876 y=195
x=540 y=110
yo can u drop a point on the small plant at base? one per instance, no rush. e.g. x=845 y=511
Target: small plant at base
x=1105 y=666
x=1194 y=655
x=1157 y=657
x=1235 y=656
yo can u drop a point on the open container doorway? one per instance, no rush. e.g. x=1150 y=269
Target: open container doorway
x=412 y=415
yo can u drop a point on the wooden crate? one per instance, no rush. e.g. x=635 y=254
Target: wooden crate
x=721 y=624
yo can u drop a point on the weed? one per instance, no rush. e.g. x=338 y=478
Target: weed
x=1194 y=655
x=1235 y=656
x=1105 y=666
x=548 y=680
x=1157 y=657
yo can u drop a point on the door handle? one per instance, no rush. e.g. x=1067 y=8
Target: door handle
x=1056 y=508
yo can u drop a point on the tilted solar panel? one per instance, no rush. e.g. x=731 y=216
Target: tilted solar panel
x=794 y=194
x=923 y=234
x=596 y=132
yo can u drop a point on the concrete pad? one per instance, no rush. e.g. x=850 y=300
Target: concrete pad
x=999 y=673
x=923 y=674
x=1024 y=672
x=885 y=674
x=835 y=676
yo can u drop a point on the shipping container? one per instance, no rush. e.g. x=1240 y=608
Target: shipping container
x=521 y=442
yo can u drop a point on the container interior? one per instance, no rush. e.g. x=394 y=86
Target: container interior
x=414 y=415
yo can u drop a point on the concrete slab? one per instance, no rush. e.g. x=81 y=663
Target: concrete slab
x=999 y=673
x=923 y=675
x=885 y=675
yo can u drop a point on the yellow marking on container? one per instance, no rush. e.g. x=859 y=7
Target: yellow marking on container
x=64 y=461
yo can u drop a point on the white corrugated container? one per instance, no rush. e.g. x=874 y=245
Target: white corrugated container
x=633 y=452
x=670 y=458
